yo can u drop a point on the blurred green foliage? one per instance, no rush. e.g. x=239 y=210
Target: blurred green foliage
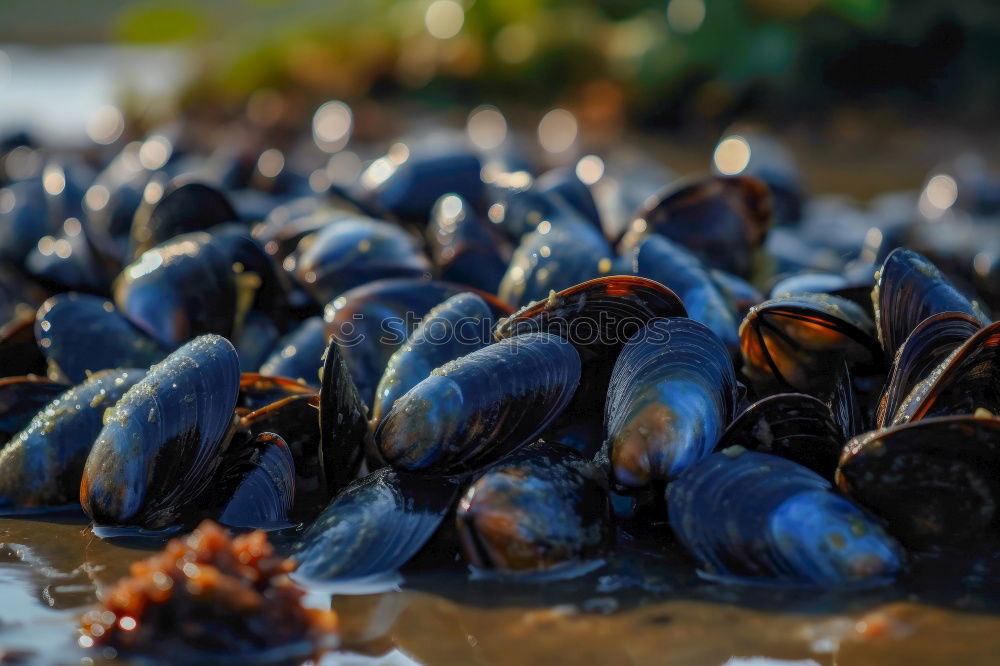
x=662 y=60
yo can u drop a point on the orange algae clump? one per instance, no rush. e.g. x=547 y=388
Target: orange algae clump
x=208 y=593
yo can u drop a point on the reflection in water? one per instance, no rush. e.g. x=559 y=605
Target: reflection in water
x=640 y=608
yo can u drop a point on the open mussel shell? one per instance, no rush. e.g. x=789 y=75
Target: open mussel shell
x=372 y=321
x=374 y=527
x=195 y=284
x=967 y=381
x=183 y=207
x=556 y=256
x=672 y=393
x=541 y=506
x=353 y=251
x=21 y=398
x=935 y=482
x=908 y=290
x=262 y=474
x=795 y=426
x=456 y=327
x=41 y=466
x=482 y=406
x=752 y=515
x=300 y=353
x=465 y=248
x=345 y=436
x=162 y=444
x=930 y=343
x=81 y=334
x=800 y=343
x=287 y=409
x=721 y=219
x=660 y=259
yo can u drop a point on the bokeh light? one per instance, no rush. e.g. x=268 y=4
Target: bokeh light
x=732 y=155
x=557 y=131
x=444 y=19
x=486 y=127
x=685 y=16
x=332 y=124
x=105 y=124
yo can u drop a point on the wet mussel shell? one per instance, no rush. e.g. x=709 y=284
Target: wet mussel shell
x=351 y=252
x=300 y=353
x=908 y=290
x=935 y=482
x=672 y=393
x=456 y=327
x=345 y=436
x=662 y=260
x=262 y=475
x=930 y=343
x=21 y=398
x=965 y=382
x=182 y=208
x=372 y=321
x=374 y=527
x=20 y=354
x=81 y=334
x=161 y=447
x=756 y=516
x=795 y=426
x=42 y=465
x=482 y=406
x=800 y=343
x=464 y=247
x=542 y=506
x=723 y=220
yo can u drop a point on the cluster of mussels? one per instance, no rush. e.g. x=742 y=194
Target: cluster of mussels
x=190 y=341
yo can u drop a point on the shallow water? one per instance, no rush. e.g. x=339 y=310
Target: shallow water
x=640 y=608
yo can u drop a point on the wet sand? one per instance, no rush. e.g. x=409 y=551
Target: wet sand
x=640 y=608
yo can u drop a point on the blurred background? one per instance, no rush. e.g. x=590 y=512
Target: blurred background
x=868 y=94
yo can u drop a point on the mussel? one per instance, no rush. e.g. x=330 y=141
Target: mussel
x=935 y=482
x=374 y=527
x=800 y=343
x=182 y=207
x=542 y=506
x=299 y=354
x=477 y=408
x=353 y=251
x=456 y=327
x=42 y=465
x=756 y=516
x=262 y=475
x=464 y=247
x=908 y=290
x=672 y=393
x=81 y=334
x=158 y=453
x=21 y=398
x=723 y=220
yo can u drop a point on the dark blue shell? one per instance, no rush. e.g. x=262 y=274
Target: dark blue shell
x=184 y=207
x=42 y=465
x=477 y=408
x=353 y=251
x=21 y=398
x=257 y=339
x=672 y=393
x=457 y=327
x=265 y=485
x=754 y=515
x=539 y=507
x=162 y=445
x=909 y=289
x=660 y=259
x=375 y=526
x=410 y=187
x=464 y=247
x=192 y=285
x=554 y=257
x=299 y=355
x=80 y=334
x=566 y=188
